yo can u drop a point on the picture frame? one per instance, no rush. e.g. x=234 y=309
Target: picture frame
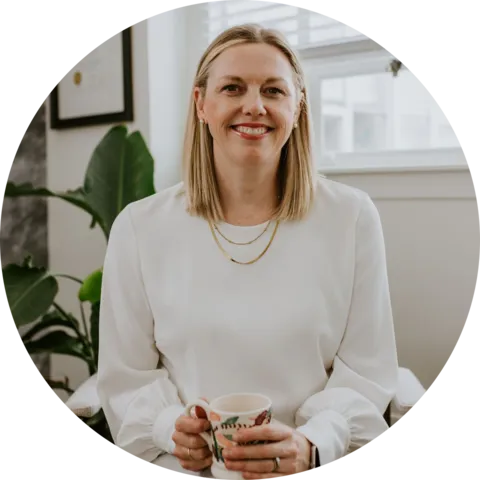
x=99 y=89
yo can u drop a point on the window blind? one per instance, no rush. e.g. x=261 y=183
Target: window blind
x=304 y=27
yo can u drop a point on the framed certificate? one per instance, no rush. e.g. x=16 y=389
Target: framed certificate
x=97 y=90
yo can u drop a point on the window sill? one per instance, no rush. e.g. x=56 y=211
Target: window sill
x=368 y=170
x=393 y=161
x=409 y=182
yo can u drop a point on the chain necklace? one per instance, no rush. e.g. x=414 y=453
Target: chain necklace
x=240 y=243
x=225 y=253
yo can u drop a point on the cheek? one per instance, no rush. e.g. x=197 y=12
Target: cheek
x=217 y=113
x=285 y=116
x=284 y=124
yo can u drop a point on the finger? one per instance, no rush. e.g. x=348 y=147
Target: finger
x=192 y=454
x=270 y=432
x=188 y=440
x=188 y=424
x=285 y=449
x=260 y=466
x=199 y=411
x=196 y=466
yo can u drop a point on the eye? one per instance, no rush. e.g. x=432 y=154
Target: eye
x=274 y=91
x=232 y=88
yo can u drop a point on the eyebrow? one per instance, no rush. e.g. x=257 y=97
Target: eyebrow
x=239 y=79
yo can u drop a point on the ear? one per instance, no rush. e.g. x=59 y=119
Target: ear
x=199 y=102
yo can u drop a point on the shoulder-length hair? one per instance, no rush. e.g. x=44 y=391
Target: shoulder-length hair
x=295 y=171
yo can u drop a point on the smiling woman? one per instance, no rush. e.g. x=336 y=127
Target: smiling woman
x=252 y=275
x=255 y=107
x=250 y=93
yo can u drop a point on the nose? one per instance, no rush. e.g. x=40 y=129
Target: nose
x=253 y=104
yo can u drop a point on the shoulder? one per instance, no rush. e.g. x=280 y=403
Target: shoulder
x=165 y=205
x=340 y=199
x=164 y=202
x=345 y=212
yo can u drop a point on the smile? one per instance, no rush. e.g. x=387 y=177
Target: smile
x=251 y=132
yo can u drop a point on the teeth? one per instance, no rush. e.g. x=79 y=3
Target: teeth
x=251 y=131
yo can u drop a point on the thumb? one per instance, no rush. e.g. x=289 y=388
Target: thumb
x=199 y=411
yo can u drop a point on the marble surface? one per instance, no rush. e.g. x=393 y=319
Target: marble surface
x=23 y=227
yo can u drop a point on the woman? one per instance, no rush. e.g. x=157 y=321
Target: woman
x=253 y=274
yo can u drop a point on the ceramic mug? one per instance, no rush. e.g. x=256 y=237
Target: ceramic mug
x=226 y=415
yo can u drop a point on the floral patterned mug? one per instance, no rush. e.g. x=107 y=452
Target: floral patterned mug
x=226 y=415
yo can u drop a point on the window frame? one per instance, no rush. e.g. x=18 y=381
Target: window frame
x=362 y=56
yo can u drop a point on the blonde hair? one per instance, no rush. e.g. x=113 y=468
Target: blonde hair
x=295 y=171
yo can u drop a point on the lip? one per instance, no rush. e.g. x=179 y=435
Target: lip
x=251 y=125
x=247 y=136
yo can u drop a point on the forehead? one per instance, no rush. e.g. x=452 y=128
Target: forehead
x=252 y=62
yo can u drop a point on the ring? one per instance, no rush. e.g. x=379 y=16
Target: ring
x=189 y=453
x=276 y=464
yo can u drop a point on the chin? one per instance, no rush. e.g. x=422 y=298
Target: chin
x=254 y=157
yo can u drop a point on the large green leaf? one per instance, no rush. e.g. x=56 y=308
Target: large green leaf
x=30 y=291
x=51 y=319
x=59 y=342
x=119 y=172
x=75 y=197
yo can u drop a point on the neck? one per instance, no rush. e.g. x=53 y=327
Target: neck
x=248 y=194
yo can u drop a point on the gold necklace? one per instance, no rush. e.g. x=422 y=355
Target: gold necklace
x=237 y=261
x=240 y=243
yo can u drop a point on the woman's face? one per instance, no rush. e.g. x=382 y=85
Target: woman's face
x=250 y=104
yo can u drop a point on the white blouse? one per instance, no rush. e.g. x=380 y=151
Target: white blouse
x=309 y=324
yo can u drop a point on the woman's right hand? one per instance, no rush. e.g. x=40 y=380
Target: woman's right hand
x=190 y=448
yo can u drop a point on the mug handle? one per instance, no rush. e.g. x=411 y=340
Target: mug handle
x=203 y=404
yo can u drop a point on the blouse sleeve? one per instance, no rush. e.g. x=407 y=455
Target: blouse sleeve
x=348 y=413
x=140 y=402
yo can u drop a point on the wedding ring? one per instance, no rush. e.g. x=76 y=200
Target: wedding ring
x=276 y=464
x=189 y=453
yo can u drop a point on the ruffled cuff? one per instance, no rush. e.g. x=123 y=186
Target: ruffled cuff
x=330 y=433
x=164 y=427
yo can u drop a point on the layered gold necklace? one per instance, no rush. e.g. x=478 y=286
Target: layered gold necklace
x=214 y=229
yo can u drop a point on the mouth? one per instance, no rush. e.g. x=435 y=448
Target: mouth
x=252 y=132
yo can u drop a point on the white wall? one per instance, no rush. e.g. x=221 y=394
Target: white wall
x=174 y=47
x=167 y=107
x=430 y=218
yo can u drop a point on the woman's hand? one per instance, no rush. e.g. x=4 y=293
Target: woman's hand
x=191 y=449
x=258 y=461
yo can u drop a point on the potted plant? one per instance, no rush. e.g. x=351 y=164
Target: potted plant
x=119 y=172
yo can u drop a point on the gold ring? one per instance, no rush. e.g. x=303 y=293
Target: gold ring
x=189 y=453
x=276 y=464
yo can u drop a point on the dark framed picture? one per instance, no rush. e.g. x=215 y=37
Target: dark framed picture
x=99 y=89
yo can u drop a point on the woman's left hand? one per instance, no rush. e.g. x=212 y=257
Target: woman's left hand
x=258 y=461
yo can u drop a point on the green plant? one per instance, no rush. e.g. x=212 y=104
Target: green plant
x=119 y=172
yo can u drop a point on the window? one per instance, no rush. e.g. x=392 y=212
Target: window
x=332 y=133
x=302 y=27
x=363 y=116
x=368 y=131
